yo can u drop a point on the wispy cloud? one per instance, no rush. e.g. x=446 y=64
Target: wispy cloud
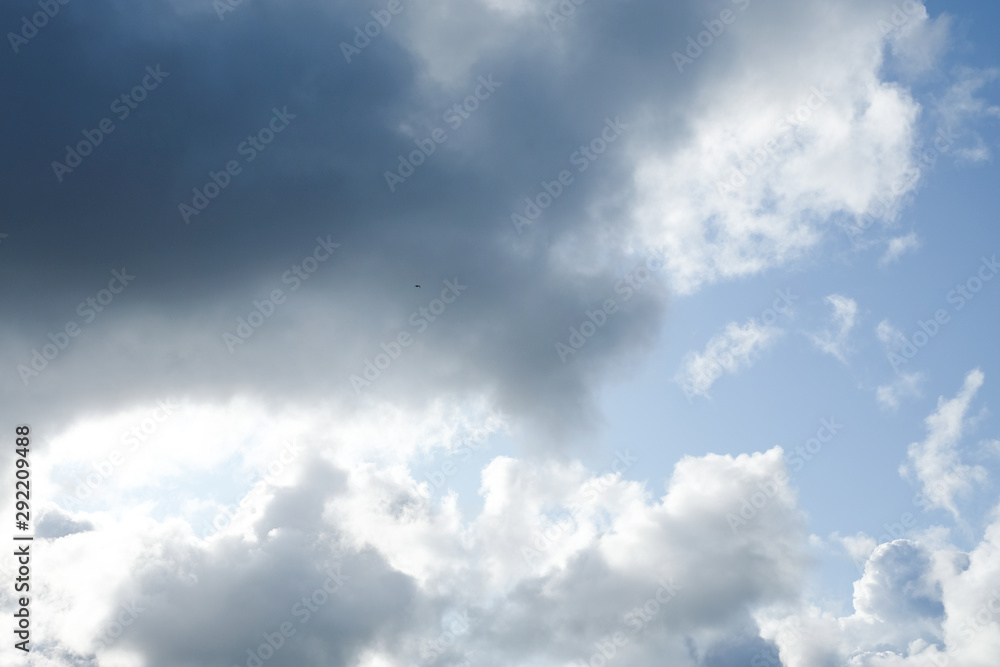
x=898 y=247
x=834 y=340
x=935 y=461
x=906 y=385
x=962 y=106
x=736 y=348
x=888 y=335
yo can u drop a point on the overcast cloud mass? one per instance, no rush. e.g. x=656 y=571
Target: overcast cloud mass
x=492 y=332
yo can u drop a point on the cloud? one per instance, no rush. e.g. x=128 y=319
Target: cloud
x=56 y=524
x=205 y=495
x=822 y=160
x=917 y=45
x=735 y=349
x=890 y=337
x=834 y=342
x=961 y=108
x=895 y=586
x=364 y=569
x=358 y=563
x=897 y=247
x=935 y=462
x=973 y=154
x=921 y=600
x=906 y=385
x=654 y=191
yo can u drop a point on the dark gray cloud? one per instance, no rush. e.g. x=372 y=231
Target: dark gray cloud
x=321 y=176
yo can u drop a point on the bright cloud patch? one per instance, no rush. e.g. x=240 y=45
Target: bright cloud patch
x=350 y=554
x=745 y=191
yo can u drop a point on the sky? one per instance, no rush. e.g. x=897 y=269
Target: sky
x=491 y=332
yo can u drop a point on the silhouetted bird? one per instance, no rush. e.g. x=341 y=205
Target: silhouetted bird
x=416 y=285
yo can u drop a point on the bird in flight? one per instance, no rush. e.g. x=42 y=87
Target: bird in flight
x=416 y=285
